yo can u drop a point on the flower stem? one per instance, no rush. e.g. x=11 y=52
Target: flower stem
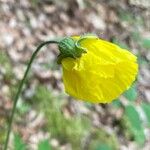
x=21 y=85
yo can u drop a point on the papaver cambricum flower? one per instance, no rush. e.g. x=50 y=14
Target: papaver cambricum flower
x=95 y=70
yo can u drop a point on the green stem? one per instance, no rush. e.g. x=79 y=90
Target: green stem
x=20 y=88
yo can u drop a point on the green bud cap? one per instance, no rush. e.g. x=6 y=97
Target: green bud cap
x=69 y=48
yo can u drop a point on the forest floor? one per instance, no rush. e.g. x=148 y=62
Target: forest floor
x=46 y=116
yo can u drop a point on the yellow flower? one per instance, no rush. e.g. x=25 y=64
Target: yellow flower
x=101 y=74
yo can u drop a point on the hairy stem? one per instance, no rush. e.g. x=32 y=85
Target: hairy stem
x=20 y=88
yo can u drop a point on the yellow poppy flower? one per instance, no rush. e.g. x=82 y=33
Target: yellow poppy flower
x=101 y=74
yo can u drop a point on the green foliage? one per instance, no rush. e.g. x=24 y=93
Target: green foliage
x=18 y=143
x=136 y=36
x=131 y=93
x=134 y=124
x=22 y=107
x=146 y=109
x=116 y=103
x=130 y=18
x=143 y=42
x=34 y=3
x=126 y=16
x=8 y=73
x=103 y=147
x=51 y=65
x=6 y=64
x=121 y=44
x=71 y=129
x=146 y=43
x=103 y=141
x=2 y=131
x=141 y=60
x=44 y=145
x=4 y=58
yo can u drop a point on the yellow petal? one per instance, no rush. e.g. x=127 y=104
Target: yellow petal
x=100 y=75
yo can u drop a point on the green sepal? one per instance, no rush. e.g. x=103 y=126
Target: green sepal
x=69 y=47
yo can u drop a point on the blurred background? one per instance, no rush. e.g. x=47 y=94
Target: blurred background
x=46 y=117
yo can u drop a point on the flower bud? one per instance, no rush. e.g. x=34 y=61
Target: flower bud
x=69 y=47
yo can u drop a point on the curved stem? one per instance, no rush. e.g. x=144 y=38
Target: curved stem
x=20 y=88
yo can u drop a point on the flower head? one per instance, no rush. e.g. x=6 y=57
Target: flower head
x=101 y=71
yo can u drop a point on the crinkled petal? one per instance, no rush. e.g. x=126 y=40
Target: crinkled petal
x=100 y=75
